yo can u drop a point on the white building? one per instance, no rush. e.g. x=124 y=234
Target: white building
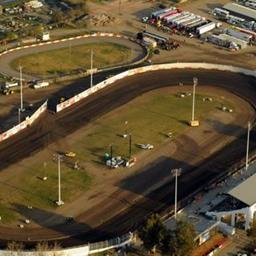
x=239 y=204
x=34 y=4
x=45 y=36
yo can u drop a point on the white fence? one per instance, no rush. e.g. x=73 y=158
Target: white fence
x=85 y=250
x=27 y=122
x=136 y=71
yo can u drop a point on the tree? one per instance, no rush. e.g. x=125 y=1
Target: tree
x=252 y=231
x=152 y=232
x=14 y=248
x=11 y=36
x=166 y=243
x=182 y=239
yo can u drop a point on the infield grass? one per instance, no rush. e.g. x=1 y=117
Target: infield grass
x=66 y=59
x=149 y=118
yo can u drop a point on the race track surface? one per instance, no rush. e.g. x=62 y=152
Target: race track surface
x=53 y=127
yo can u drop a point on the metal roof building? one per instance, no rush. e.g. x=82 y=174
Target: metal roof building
x=245 y=192
x=240 y=201
x=241 y=10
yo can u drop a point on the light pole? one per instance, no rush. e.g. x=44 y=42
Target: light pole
x=91 y=68
x=176 y=172
x=193 y=121
x=130 y=146
x=248 y=146
x=21 y=92
x=59 y=202
x=19 y=117
x=125 y=131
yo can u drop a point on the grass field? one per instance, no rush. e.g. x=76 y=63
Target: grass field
x=72 y=58
x=149 y=118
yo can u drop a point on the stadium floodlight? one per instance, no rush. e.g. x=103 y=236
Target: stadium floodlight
x=59 y=202
x=247 y=146
x=19 y=117
x=176 y=172
x=21 y=90
x=193 y=121
x=91 y=84
x=130 y=146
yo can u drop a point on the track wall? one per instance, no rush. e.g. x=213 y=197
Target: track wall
x=140 y=70
x=27 y=122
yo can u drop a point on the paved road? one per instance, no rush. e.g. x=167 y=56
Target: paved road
x=137 y=52
x=124 y=212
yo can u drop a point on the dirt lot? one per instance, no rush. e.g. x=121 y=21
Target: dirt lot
x=191 y=49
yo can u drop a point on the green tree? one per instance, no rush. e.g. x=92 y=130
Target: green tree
x=36 y=30
x=152 y=232
x=182 y=240
x=252 y=231
x=166 y=243
x=11 y=36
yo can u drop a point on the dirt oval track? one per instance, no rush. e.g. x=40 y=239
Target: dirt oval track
x=53 y=127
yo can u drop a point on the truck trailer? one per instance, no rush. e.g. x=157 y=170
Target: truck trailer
x=206 y=28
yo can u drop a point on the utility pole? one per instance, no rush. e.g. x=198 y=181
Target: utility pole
x=59 y=202
x=176 y=172
x=91 y=68
x=193 y=121
x=21 y=91
x=248 y=146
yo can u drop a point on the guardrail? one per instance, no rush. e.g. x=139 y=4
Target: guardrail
x=140 y=70
x=27 y=122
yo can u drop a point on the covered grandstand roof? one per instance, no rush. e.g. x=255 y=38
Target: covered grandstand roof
x=245 y=191
x=241 y=10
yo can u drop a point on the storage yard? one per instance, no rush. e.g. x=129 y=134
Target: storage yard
x=177 y=21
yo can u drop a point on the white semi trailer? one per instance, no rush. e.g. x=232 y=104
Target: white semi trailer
x=206 y=28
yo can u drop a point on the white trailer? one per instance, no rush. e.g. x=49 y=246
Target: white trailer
x=41 y=84
x=165 y=14
x=190 y=22
x=193 y=26
x=157 y=13
x=181 y=22
x=206 y=28
x=170 y=18
x=250 y=5
x=241 y=43
x=11 y=84
x=221 y=13
x=179 y=18
x=218 y=40
x=170 y=15
x=149 y=42
x=234 y=20
x=240 y=35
